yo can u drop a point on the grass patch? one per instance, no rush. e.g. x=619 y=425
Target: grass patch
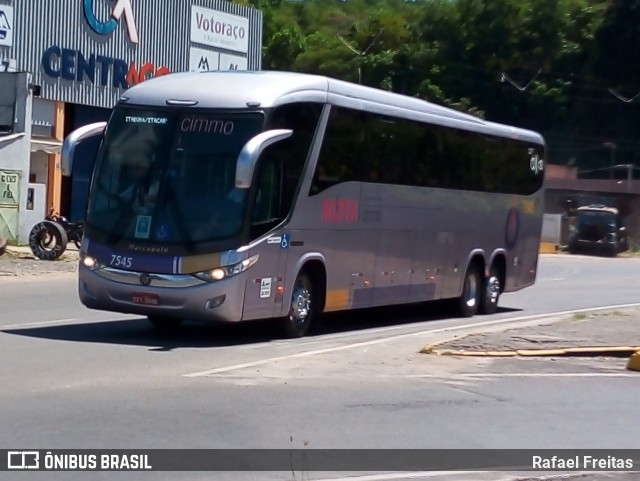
x=579 y=316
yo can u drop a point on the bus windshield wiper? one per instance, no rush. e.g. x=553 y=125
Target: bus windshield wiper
x=174 y=201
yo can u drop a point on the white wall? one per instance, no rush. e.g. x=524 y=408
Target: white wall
x=29 y=218
x=15 y=154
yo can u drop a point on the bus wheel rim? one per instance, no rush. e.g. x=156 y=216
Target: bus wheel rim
x=300 y=305
x=493 y=289
x=472 y=291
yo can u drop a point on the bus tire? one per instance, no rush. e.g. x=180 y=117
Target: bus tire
x=491 y=290
x=48 y=240
x=302 y=308
x=164 y=323
x=469 y=301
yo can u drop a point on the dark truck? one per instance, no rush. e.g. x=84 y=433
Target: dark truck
x=599 y=229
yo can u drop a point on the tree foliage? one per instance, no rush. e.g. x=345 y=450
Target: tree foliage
x=566 y=68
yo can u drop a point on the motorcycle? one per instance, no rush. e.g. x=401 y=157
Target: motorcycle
x=48 y=239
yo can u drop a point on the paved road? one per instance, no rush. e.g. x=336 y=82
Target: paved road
x=74 y=378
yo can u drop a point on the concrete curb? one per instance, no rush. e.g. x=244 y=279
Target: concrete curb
x=570 y=351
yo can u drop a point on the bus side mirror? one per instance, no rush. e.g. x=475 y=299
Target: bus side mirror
x=75 y=138
x=250 y=153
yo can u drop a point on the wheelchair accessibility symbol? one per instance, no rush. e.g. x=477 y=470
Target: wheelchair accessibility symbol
x=285 y=241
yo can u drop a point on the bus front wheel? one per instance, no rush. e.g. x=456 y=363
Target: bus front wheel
x=302 y=308
x=163 y=323
x=471 y=291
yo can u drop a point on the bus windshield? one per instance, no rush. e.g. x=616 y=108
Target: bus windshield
x=594 y=217
x=169 y=177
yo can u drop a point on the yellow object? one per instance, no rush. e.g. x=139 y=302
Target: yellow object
x=634 y=362
x=549 y=248
x=337 y=299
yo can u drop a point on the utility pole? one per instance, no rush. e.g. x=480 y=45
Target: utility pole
x=612 y=156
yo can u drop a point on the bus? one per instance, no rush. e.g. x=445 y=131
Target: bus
x=231 y=196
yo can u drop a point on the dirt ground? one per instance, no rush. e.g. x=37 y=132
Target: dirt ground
x=605 y=328
x=20 y=261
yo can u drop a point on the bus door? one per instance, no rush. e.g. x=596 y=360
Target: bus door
x=262 y=297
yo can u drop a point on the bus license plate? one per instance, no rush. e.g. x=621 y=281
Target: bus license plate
x=146 y=299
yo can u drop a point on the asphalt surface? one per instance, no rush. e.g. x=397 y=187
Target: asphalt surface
x=74 y=378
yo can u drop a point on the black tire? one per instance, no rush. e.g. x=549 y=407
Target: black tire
x=469 y=300
x=302 y=308
x=164 y=323
x=491 y=290
x=3 y=245
x=48 y=240
x=77 y=234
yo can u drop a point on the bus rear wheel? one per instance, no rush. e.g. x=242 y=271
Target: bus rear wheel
x=469 y=301
x=164 y=323
x=302 y=308
x=490 y=292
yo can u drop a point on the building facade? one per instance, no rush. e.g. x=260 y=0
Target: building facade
x=81 y=55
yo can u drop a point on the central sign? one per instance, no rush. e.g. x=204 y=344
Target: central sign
x=121 y=7
x=104 y=70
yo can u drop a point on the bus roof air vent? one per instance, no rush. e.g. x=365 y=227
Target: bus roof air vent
x=183 y=103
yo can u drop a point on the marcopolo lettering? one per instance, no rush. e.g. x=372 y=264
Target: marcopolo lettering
x=215 y=26
x=73 y=65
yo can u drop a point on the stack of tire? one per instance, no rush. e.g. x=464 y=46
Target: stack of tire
x=48 y=240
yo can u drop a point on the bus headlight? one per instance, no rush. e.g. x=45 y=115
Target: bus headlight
x=90 y=262
x=223 y=272
x=218 y=274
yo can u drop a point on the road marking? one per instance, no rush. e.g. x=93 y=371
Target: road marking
x=33 y=324
x=522 y=374
x=374 y=342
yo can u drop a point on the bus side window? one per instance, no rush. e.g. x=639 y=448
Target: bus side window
x=303 y=119
x=341 y=154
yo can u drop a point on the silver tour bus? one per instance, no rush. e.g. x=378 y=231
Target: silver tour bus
x=230 y=196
